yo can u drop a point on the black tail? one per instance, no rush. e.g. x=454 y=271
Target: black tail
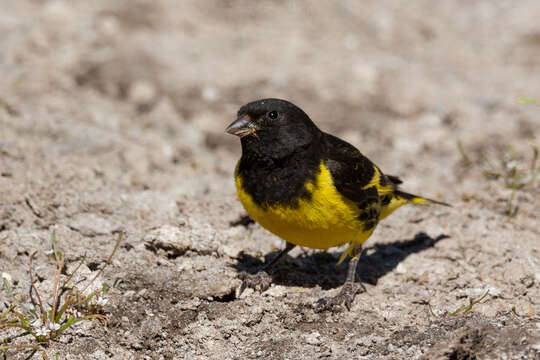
x=418 y=199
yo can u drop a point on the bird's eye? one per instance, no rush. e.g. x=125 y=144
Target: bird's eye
x=273 y=115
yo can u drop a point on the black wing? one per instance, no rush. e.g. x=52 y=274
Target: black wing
x=353 y=172
x=360 y=180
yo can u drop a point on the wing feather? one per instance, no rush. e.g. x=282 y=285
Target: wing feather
x=355 y=176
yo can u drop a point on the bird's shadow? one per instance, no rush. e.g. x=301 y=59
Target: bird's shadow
x=320 y=268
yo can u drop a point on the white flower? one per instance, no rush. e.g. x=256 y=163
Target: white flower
x=42 y=331
x=49 y=252
x=7 y=277
x=101 y=301
x=54 y=326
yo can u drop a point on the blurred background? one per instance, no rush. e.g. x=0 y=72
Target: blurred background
x=373 y=72
x=393 y=77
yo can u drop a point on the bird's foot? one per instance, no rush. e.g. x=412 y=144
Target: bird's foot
x=258 y=282
x=346 y=296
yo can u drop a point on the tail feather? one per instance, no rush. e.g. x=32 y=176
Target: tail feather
x=415 y=199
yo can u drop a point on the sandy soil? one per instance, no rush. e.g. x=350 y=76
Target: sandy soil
x=112 y=117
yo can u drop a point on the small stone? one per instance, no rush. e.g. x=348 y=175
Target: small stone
x=185 y=264
x=142 y=92
x=90 y=224
x=401 y=269
x=276 y=291
x=313 y=338
x=169 y=238
x=246 y=294
x=176 y=242
x=232 y=250
x=99 y=354
x=191 y=304
x=494 y=291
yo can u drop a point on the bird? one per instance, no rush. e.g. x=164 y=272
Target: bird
x=310 y=188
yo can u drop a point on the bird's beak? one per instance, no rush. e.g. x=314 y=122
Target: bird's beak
x=242 y=126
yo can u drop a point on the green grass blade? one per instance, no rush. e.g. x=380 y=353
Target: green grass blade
x=528 y=101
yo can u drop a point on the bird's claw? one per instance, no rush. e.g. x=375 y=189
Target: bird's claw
x=258 y=282
x=346 y=296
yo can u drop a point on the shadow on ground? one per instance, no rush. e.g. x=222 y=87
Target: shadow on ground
x=321 y=268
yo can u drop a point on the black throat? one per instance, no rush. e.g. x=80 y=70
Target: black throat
x=275 y=174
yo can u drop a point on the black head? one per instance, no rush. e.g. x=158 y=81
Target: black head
x=274 y=128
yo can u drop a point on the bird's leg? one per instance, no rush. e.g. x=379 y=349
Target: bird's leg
x=262 y=279
x=349 y=289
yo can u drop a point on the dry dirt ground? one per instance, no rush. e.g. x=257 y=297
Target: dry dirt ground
x=111 y=119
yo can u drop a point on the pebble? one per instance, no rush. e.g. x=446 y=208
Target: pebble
x=170 y=238
x=142 y=92
x=313 y=338
x=90 y=224
x=276 y=291
x=401 y=269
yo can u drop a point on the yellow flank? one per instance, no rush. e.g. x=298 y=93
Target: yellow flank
x=327 y=219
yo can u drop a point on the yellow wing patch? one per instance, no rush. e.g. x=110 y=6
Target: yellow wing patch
x=376 y=181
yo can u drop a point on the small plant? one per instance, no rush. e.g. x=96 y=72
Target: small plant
x=465 y=309
x=517 y=177
x=44 y=319
x=505 y=164
x=515 y=173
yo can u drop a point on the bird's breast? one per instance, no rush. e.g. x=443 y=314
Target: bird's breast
x=320 y=218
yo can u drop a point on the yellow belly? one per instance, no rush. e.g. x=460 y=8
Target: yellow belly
x=327 y=219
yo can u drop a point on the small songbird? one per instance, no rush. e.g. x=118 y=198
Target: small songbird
x=309 y=188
